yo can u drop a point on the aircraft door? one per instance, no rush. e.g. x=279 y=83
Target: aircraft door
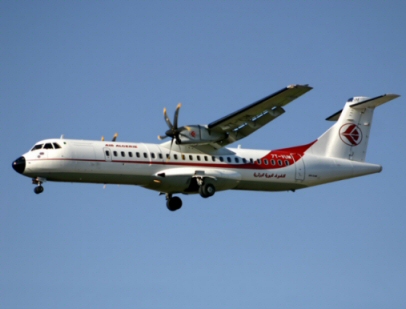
x=300 y=168
x=107 y=154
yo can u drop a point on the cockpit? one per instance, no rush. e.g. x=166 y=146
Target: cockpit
x=46 y=146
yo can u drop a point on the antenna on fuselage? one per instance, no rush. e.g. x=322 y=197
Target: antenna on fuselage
x=62 y=136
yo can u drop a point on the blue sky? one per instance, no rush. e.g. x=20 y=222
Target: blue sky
x=87 y=69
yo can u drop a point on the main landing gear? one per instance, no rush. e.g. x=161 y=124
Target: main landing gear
x=205 y=190
x=173 y=203
x=39 y=188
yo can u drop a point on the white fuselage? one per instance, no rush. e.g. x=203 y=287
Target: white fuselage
x=148 y=165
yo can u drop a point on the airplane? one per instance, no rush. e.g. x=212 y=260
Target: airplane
x=197 y=161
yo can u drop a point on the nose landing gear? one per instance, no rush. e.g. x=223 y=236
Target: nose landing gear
x=38 y=181
x=39 y=189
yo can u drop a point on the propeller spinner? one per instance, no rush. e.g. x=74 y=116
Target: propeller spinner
x=174 y=132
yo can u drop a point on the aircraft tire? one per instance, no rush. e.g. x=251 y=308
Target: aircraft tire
x=39 y=189
x=174 y=203
x=206 y=190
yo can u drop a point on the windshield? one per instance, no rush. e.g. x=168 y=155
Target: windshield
x=36 y=147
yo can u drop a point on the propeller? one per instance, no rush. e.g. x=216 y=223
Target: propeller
x=174 y=131
x=114 y=137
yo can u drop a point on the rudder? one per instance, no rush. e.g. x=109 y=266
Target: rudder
x=348 y=137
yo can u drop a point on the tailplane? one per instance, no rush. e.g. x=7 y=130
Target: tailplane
x=348 y=137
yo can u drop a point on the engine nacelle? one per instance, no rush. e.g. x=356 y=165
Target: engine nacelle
x=199 y=135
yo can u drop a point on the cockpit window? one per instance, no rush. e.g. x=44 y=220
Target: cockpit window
x=48 y=146
x=36 y=147
x=56 y=146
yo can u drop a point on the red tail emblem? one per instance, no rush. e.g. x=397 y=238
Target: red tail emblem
x=351 y=134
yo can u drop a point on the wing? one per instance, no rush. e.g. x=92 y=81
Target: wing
x=252 y=117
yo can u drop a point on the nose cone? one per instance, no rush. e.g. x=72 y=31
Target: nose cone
x=19 y=165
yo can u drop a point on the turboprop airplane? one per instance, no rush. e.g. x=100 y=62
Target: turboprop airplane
x=196 y=161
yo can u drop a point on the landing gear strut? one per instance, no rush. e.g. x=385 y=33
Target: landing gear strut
x=205 y=189
x=173 y=203
x=39 y=188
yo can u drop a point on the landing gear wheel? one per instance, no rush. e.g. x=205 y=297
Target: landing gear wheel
x=207 y=190
x=174 y=203
x=39 y=189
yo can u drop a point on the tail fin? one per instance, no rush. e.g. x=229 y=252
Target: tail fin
x=348 y=137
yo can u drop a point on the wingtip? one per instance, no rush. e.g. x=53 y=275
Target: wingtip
x=297 y=86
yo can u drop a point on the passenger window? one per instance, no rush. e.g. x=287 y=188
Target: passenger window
x=145 y=155
x=259 y=161
x=280 y=162
x=206 y=158
x=167 y=156
x=286 y=162
x=198 y=158
x=130 y=154
x=221 y=159
x=48 y=146
x=236 y=160
x=123 y=154
x=183 y=157
x=190 y=157
x=152 y=155
x=273 y=162
x=252 y=161
x=56 y=146
x=137 y=154
x=228 y=159
x=107 y=153
x=265 y=161
x=115 y=153
x=160 y=155
x=213 y=158
x=244 y=160
x=36 y=147
x=175 y=156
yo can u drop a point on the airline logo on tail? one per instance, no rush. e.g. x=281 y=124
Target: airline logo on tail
x=351 y=134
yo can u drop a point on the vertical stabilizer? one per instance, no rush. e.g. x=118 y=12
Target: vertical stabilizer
x=348 y=137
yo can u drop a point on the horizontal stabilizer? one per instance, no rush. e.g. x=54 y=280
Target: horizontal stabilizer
x=369 y=103
x=374 y=102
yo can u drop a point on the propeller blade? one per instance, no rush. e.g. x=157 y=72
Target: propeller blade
x=167 y=120
x=178 y=141
x=114 y=137
x=175 y=118
x=170 y=149
x=161 y=137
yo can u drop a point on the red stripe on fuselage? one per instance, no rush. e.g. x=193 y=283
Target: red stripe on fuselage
x=292 y=155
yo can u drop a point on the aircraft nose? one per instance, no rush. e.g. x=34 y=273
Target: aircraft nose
x=19 y=165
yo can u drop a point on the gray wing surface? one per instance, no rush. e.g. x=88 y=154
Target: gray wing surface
x=247 y=120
